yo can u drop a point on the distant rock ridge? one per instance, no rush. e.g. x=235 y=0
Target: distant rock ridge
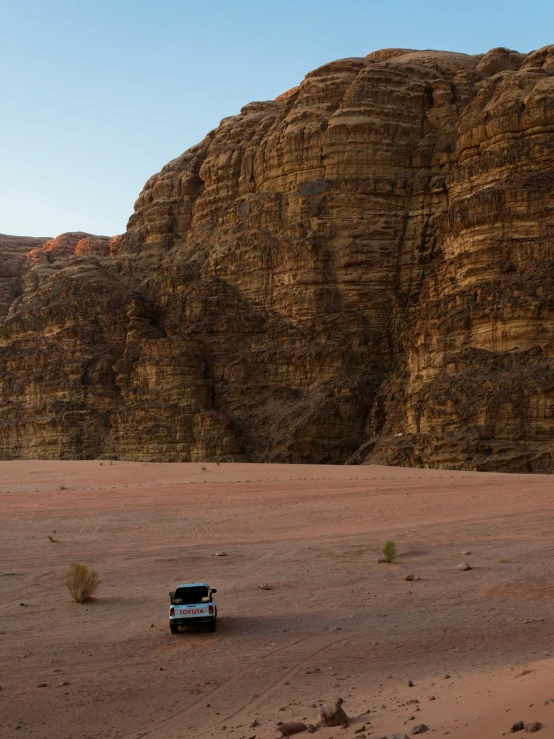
x=358 y=271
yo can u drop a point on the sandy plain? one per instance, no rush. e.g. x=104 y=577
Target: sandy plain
x=335 y=623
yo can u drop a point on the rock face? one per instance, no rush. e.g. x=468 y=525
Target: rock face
x=360 y=270
x=13 y=253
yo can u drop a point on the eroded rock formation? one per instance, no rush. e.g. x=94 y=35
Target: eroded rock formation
x=359 y=270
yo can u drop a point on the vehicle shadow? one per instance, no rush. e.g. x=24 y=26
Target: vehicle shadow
x=231 y=625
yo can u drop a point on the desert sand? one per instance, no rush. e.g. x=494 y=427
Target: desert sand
x=334 y=623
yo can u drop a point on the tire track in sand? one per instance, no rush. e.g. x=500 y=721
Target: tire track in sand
x=244 y=682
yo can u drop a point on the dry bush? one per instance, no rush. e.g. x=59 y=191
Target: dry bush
x=389 y=551
x=81 y=582
x=333 y=714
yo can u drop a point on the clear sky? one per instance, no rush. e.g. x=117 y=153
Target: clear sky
x=99 y=94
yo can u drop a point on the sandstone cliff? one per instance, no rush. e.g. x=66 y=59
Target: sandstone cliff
x=359 y=270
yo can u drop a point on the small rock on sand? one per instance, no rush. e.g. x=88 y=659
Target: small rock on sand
x=291 y=727
x=410 y=684
x=464 y=566
x=518 y=726
x=533 y=726
x=465 y=553
x=409 y=577
x=419 y=729
x=400 y=736
x=220 y=554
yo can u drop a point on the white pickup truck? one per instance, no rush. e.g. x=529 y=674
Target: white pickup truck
x=192 y=604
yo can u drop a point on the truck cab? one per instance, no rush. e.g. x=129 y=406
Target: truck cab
x=192 y=604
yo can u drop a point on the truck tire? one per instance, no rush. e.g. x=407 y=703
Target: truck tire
x=174 y=628
x=211 y=626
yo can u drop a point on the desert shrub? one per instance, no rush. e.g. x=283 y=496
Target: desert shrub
x=81 y=582
x=389 y=551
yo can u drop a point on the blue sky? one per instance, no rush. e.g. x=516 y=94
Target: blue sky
x=99 y=95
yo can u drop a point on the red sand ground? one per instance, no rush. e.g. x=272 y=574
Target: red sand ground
x=335 y=623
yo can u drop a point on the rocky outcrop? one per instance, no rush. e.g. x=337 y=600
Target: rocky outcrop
x=359 y=270
x=13 y=253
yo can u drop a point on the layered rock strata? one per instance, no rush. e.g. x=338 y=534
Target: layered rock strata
x=359 y=270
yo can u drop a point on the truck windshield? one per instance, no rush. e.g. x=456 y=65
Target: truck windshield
x=191 y=596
